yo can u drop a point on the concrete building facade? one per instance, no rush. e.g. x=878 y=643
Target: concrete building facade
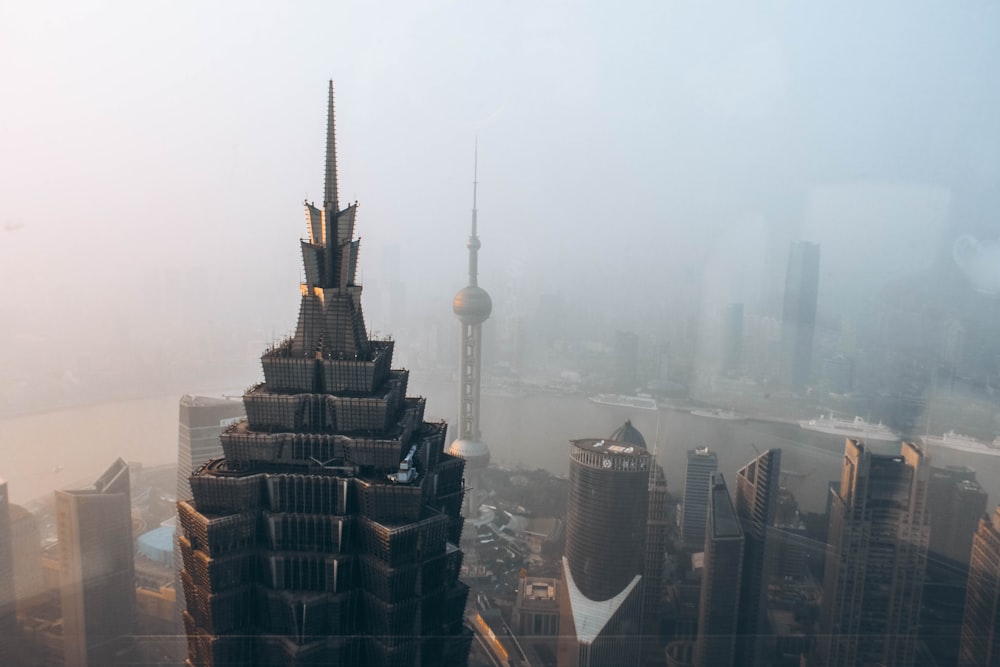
x=798 y=314
x=980 y=640
x=701 y=463
x=97 y=568
x=757 y=490
x=876 y=559
x=718 y=610
x=8 y=600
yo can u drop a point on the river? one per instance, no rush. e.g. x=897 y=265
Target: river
x=63 y=448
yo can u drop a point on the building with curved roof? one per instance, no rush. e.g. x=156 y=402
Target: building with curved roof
x=604 y=561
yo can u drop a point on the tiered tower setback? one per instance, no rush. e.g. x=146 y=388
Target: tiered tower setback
x=328 y=533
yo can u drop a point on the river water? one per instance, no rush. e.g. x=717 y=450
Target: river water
x=59 y=449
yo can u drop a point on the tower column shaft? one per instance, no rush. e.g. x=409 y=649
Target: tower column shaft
x=471 y=369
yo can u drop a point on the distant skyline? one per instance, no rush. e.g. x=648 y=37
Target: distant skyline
x=638 y=166
x=154 y=126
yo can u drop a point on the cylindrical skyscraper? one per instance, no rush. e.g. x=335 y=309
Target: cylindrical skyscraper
x=473 y=306
x=604 y=562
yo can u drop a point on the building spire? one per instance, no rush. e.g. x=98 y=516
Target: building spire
x=330 y=182
x=474 y=243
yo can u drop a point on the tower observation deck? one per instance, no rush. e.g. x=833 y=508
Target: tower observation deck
x=472 y=305
x=328 y=533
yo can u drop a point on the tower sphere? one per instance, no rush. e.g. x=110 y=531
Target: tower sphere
x=475 y=453
x=472 y=305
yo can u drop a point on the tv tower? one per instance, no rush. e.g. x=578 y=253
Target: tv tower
x=472 y=305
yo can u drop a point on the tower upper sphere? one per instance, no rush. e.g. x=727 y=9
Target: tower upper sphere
x=472 y=304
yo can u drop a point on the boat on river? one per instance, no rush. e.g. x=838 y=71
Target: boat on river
x=640 y=402
x=848 y=428
x=719 y=413
x=962 y=443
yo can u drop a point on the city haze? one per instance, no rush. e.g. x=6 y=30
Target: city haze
x=644 y=167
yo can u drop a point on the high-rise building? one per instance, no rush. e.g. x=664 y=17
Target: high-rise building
x=955 y=503
x=201 y=420
x=626 y=361
x=473 y=306
x=328 y=533
x=757 y=490
x=980 y=642
x=601 y=598
x=718 y=610
x=26 y=542
x=838 y=374
x=97 y=568
x=876 y=558
x=701 y=463
x=732 y=343
x=798 y=315
x=8 y=608
x=657 y=523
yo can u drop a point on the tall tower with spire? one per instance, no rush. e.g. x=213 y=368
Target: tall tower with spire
x=473 y=306
x=328 y=533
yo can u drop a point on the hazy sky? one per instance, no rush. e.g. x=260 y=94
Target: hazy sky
x=160 y=150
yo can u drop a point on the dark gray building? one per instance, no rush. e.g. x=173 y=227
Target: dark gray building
x=955 y=503
x=980 y=643
x=601 y=597
x=798 y=314
x=757 y=491
x=876 y=559
x=328 y=533
x=701 y=463
x=97 y=569
x=718 y=610
x=732 y=338
x=8 y=602
x=626 y=371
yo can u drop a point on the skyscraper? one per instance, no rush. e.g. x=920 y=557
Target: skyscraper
x=732 y=338
x=26 y=543
x=8 y=609
x=701 y=463
x=656 y=542
x=718 y=611
x=201 y=420
x=757 y=490
x=798 y=314
x=955 y=504
x=601 y=599
x=626 y=361
x=980 y=643
x=657 y=523
x=876 y=558
x=328 y=533
x=97 y=568
x=472 y=305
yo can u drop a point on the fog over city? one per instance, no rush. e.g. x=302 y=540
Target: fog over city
x=640 y=167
